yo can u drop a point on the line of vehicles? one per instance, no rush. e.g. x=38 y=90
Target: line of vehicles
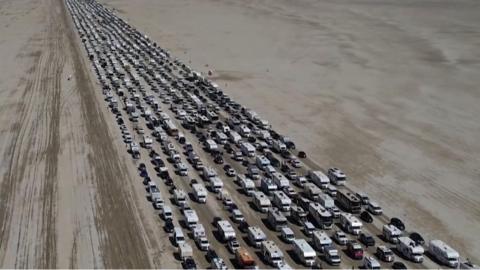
x=275 y=180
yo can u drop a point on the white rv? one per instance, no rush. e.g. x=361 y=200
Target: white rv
x=216 y=184
x=272 y=253
x=350 y=223
x=443 y=253
x=248 y=186
x=180 y=197
x=282 y=201
x=247 y=149
x=313 y=192
x=319 y=178
x=280 y=180
x=322 y=216
x=276 y=219
x=261 y=201
x=191 y=218
x=391 y=233
x=304 y=252
x=199 y=192
x=226 y=230
x=410 y=249
x=256 y=236
x=200 y=237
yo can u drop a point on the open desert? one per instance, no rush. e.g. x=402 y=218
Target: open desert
x=386 y=90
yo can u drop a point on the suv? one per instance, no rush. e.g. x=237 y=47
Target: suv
x=355 y=250
x=385 y=254
x=341 y=238
x=367 y=240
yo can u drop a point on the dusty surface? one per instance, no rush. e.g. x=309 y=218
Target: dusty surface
x=388 y=91
x=67 y=198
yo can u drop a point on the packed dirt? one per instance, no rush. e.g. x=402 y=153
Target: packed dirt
x=66 y=193
x=386 y=90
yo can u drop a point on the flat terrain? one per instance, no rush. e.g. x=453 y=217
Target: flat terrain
x=67 y=199
x=386 y=90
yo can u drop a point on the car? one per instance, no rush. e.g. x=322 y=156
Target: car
x=237 y=215
x=228 y=148
x=366 y=239
x=399 y=265
x=211 y=254
x=243 y=227
x=142 y=167
x=397 y=223
x=384 y=253
x=363 y=197
x=229 y=171
x=374 y=208
x=295 y=163
x=189 y=263
x=169 y=226
x=233 y=245
x=355 y=250
x=365 y=216
x=218 y=159
x=302 y=154
x=341 y=238
x=417 y=238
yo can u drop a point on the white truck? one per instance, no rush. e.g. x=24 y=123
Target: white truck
x=256 y=236
x=199 y=192
x=350 y=223
x=248 y=186
x=305 y=253
x=191 y=218
x=155 y=195
x=200 y=237
x=319 y=178
x=272 y=253
x=322 y=216
x=247 y=149
x=226 y=230
x=409 y=249
x=261 y=201
x=280 y=180
x=444 y=253
x=391 y=233
x=282 y=201
x=185 y=250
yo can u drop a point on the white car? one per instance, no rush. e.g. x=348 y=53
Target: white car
x=374 y=208
x=233 y=245
x=341 y=238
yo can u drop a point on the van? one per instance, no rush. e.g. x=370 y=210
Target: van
x=178 y=236
x=287 y=234
x=167 y=213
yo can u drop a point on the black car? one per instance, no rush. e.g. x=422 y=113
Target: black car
x=417 y=238
x=228 y=148
x=302 y=154
x=218 y=159
x=243 y=226
x=211 y=254
x=397 y=223
x=399 y=265
x=169 y=226
x=189 y=263
x=286 y=154
x=142 y=167
x=193 y=181
x=365 y=216
x=367 y=240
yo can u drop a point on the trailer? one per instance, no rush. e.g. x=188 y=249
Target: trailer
x=261 y=201
x=322 y=216
x=256 y=236
x=276 y=219
x=409 y=249
x=272 y=253
x=226 y=230
x=444 y=253
x=328 y=203
x=350 y=223
x=282 y=201
x=319 y=178
x=304 y=252
x=200 y=193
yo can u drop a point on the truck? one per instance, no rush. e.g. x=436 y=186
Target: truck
x=180 y=197
x=391 y=233
x=272 y=253
x=199 y=192
x=444 y=253
x=248 y=186
x=276 y=219
x=256 y=236
x=185 y=251
x=226 y=230
x=244 y=259
x=200 y=237
x=304 y=252
x=280 y=180
x=155 y=195
x=409 y=249
x=282 y=201
x=350 y=223
x=247 y=149
x=319 y=178
x=322 y=217
x=312 y=191
x=216 y=184
x=261 y=201
x=191 y=218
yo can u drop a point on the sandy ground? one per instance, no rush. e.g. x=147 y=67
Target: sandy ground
x=67 y=197
x=386 y=90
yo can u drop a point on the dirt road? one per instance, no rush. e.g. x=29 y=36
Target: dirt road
x=384 y=90
x=66 y=194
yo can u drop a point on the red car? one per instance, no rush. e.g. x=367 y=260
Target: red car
x=355 y=250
